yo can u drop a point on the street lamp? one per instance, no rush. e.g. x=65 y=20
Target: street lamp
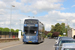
x=10 y=17
x=20 y=24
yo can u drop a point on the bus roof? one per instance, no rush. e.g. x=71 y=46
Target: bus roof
x=32 y=19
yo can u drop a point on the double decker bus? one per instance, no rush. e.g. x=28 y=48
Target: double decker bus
x=33 y=31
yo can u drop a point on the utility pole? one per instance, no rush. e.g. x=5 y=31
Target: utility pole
x=67 y=25
x=19 y=34
x=20 y=24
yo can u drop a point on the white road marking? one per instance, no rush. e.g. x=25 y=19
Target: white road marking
x=10 y=46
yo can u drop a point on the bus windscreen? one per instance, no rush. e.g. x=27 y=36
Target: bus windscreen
x=30 y=31
x=26 y=30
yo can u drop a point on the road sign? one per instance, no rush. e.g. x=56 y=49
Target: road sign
x=64 y=33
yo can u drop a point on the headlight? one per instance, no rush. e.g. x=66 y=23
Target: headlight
x=27 y=37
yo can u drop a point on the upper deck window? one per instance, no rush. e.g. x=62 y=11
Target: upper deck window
x=31 y=22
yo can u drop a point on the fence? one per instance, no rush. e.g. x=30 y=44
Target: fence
x=8 y=34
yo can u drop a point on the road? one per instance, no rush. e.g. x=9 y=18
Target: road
x=46 y=45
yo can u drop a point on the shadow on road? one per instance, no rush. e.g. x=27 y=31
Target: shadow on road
x=31 y=43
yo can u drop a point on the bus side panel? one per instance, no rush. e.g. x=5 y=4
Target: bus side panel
x=40 y=32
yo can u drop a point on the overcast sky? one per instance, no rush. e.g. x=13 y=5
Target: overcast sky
x=49 y=12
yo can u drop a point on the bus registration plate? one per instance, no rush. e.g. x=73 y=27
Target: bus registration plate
x=30 y=41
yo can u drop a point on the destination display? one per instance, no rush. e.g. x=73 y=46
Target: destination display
x=30 y=25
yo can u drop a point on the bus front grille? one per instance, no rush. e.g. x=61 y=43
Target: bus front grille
x=31 y=39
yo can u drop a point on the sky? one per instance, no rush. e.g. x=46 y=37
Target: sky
x=49 y=12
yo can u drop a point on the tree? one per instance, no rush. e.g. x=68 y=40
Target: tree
x=55 y=34
x=63 y=29
x=52 y=28
x=49 y=34
x=12 y=30
x=16 y=30
x=1 y=29
x=5 y=29
x=56 y=28
x=43 y=30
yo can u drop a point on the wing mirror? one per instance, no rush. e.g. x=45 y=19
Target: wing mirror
x=56 y=41
x=23 y=34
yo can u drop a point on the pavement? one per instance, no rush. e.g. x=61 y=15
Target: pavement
x=6 y=44
x=18 y=45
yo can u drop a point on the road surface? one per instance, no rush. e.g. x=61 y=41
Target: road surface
x=46 y=45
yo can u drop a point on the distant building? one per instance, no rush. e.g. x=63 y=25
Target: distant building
x=71 y=33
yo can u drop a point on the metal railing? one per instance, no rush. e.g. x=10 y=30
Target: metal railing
x=8 y=35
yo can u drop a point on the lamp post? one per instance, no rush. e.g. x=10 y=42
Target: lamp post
x=67 y=25
x=10 y=18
